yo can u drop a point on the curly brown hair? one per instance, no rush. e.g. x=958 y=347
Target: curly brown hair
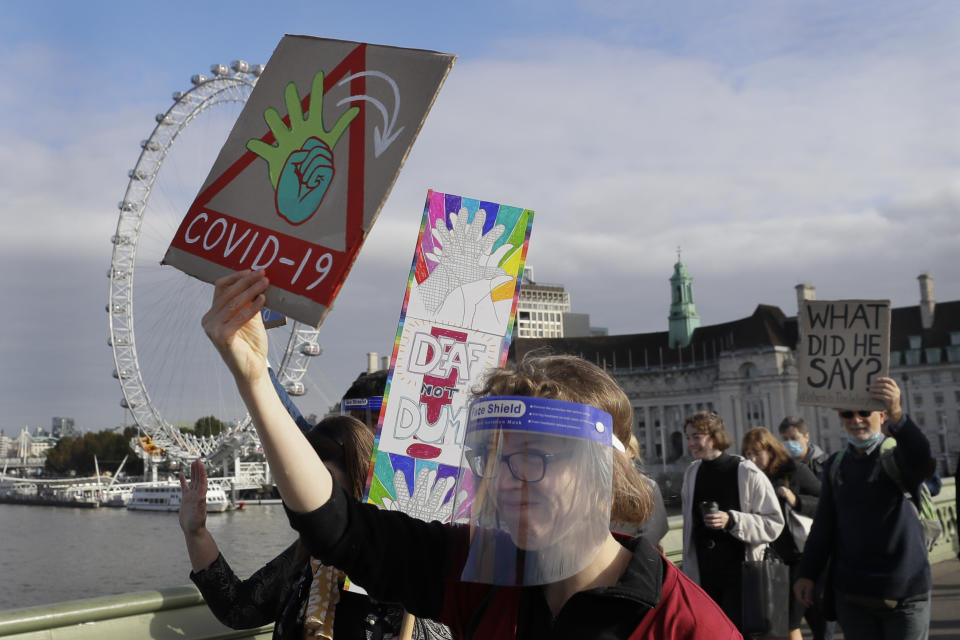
x=711 y=424
x=564 y=377
x=760 y=439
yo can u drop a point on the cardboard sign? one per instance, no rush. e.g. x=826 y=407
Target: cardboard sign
x=844 y=345
x=456 y=323
x=307 y=167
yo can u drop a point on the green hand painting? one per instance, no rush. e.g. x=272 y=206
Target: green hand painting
x=301 y=163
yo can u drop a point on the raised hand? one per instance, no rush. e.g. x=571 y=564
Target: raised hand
x=234 y=325
x=301 y=164
x=458 y=290
x=887 y=391
x=193 y=501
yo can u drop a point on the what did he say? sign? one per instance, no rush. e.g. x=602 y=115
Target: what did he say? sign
x=844 y=346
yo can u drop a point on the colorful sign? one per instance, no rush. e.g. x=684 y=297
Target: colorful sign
x=844 y=345
x=456 y=323
x=307 y=167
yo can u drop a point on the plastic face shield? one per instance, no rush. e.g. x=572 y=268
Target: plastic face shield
x=540 y=476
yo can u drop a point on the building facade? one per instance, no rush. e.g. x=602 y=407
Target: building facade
x=540 y=308
x=746 y=371
x=63 y=427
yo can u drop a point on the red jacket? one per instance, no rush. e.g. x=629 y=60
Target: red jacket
x=400 y=559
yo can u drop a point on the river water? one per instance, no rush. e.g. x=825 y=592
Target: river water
x=53 y=554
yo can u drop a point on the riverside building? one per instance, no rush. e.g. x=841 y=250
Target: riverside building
x=746 y=371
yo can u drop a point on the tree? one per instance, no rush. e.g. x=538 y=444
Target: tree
x=76 y=454
x=208 y=426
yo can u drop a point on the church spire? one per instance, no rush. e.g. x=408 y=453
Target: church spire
x=683 y=313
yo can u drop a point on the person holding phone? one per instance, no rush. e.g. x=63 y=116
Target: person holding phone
x=730 y=512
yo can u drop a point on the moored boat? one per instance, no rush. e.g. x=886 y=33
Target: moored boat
x=164 y=496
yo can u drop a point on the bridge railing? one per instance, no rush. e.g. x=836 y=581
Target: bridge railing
x=179 y=613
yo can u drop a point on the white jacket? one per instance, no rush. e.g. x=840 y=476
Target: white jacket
x=758 y=522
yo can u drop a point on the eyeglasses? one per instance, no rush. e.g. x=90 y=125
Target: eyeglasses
x=527 y=466
x=848 y=415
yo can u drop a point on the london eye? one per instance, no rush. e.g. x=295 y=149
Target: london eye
x=169 y=374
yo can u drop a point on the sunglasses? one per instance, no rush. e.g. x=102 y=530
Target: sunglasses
x=848 y=415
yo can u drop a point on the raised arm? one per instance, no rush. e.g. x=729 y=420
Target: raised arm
x=234 y=326
x=201 y=547
x=913 y=449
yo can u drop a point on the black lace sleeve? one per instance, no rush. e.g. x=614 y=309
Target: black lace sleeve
x=244 y=604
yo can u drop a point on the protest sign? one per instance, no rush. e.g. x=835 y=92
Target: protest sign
x=456 y=323
x=844 y=345
x=308 y=165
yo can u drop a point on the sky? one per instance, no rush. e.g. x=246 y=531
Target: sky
x=774 y=142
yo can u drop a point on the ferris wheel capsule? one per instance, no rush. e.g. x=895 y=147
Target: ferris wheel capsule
x=295 y=388
x=310 y=349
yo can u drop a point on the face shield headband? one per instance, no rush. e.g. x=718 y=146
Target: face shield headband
x=538 y=474
x=372 y=403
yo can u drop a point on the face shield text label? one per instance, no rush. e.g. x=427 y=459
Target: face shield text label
x=498 y=408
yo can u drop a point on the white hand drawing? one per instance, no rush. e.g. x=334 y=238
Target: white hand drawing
x=426 y=503
x=458 y=290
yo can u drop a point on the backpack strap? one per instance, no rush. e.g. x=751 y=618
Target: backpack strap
x=835 y=460
x=892 y=469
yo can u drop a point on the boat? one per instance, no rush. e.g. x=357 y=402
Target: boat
x=163 y=496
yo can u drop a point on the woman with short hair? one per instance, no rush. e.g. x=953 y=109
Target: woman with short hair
x=730 y=512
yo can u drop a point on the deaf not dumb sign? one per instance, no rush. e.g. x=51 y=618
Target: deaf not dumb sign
x=307 y=167
x=844 y=345
x=456 y=324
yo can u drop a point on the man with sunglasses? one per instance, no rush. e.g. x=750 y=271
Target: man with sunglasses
x=866 y=526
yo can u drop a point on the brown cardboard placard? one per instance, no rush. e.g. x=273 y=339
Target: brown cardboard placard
x=844 y=345
x=300 y=180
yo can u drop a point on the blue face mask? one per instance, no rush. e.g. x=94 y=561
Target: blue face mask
x=865 y=444
x=794 y=448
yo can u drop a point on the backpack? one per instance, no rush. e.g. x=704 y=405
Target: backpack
x=921 y=501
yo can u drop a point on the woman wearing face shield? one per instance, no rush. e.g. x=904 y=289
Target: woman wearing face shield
x=536 y=558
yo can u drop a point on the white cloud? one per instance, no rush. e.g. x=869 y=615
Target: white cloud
x=833 y=166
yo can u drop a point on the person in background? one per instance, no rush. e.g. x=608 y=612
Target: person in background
x=538 y=559
x=656 y=525
x=798 y=490
x=796 y=438
x=364 y=398
x=296 y=592
x=730 y=512
x=880 y=569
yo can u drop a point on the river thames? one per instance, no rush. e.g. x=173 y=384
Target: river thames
x=53 y=554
